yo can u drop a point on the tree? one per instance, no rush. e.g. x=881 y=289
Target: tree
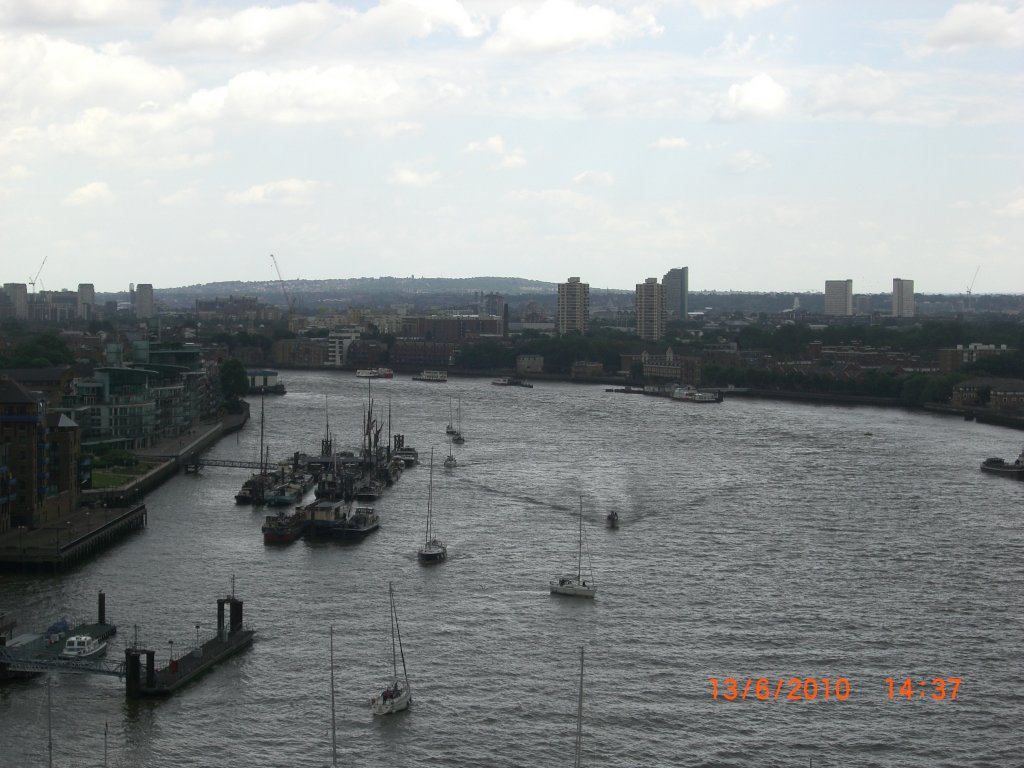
x=234 y=381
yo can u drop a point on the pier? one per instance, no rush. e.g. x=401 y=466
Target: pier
x=144 y=680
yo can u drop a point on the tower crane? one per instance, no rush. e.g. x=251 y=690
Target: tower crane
x=288 y=300
x=971 y=287
x=33 y=280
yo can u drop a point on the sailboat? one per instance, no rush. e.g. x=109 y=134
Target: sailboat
x=450 y=461
x=579 y=716
x=450 y=429
x=574 y=584
x=433 y=550
x=457 y=437
x=396 y=695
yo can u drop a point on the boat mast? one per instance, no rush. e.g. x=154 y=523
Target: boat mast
x=394 y=654
x=430 y=495
x=49 y=719
x=398 y=631
x=579 y=714
x=334 y=734
x=579 y=553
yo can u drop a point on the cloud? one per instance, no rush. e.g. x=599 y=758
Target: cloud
x=260 y=29
x=747 y=161
x=283 y=192
x=15 y=173
x=510 y=158
x=404 y=176
x=860 y=90
x=976 y=24
x=738 y=8
x=562 y=25
x=553 y=198
x=594 y=179
x=760 y=96
x=671 y=142
x=180 y=197
x=94 y=192
x=1014 y=208
x=67 y=13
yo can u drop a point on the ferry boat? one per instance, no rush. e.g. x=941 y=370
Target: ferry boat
x=439 y=377
x=375 y=373
x=694 y=395
x=83 y=647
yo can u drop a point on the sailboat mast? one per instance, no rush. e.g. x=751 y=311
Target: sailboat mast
x=394 y=621
x=579 y=553
x=49 y=719
x=430 y=495
x=579 y=714
x=334 y=734
x=398 y=630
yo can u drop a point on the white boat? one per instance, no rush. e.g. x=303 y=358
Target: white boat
x=83 y=647
x=439 y=377
x=397 y=694
x=574 y=584
x=375 y=373
x=694 y=395
x=407 y=454
x=433 y=550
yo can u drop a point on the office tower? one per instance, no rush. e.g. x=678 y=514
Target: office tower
x=677 y=292
x=573 y=306
x=86 y=301
x=650 y=309
x=144 y=306
x=18 y=295
x=838 y=297
x=902 y=297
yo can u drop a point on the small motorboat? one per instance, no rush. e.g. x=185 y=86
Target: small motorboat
x=612 y=519
x=83 y=647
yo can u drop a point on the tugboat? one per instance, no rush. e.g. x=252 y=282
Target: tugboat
x=283 y=528
x=997 y=466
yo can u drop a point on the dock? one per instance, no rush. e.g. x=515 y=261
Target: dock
x=70 y=538
x=144 y=680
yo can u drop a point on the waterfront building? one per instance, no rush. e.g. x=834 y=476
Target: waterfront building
x=145 y=307
x=573 y=306
x=42 y=459
x=650 y=309
x=839 y=298
x=952 y=359
x=338 y=343
x=684 y=369
x=417 y=355
x=902 y=297
x=676 y=283
x=586 y=369
x=450 y=329
x=998 y=394
x=299 y=353
x=529 y=364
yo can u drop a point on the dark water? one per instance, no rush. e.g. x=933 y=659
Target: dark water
x=757 y=539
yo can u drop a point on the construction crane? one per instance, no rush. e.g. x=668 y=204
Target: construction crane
x=32 y=281
x=289 y=302
x=970 y=288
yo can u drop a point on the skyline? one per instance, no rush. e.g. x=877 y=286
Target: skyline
x=764 y=144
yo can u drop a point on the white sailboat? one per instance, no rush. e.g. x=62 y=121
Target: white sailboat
x=397 y=694
x=574 y=584
x=433 y=550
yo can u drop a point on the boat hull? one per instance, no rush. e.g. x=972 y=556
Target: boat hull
x=432 y=554
x=572 y=588
x=381 y=706
x=1001 y=467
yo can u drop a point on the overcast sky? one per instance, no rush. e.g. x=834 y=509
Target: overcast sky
x=765 y=144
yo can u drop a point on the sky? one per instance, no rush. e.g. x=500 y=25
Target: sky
x=768 y=145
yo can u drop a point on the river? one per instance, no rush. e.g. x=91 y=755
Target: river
x=757 y=539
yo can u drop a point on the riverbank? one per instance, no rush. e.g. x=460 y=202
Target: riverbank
x=107 y=515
